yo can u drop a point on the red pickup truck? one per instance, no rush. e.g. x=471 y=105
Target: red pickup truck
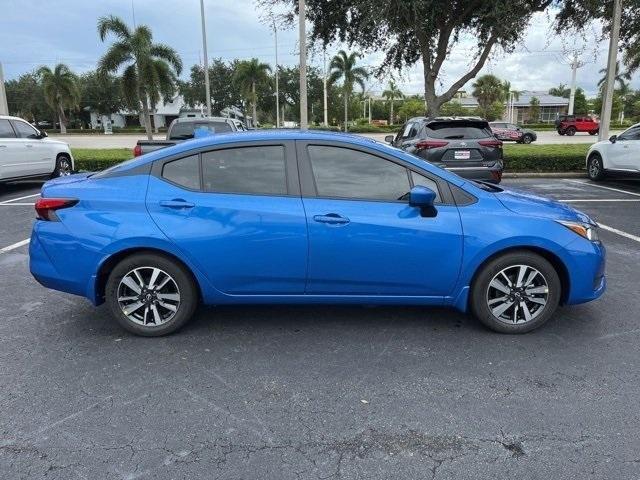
x=570 y=124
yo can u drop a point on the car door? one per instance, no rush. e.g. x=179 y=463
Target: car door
x=236 y=212
x=364 y=238
x=9 y=149
x=624 y=154
x=38 y=157
x=498 y=130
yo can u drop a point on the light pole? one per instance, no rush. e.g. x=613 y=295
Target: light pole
x=275 y=34
x=605 y=115
x=4 y=107
x=207 y=87
x=326 y=110
x=303 y=65
x=575 y=65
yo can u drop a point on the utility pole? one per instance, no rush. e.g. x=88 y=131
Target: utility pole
x=207 y=87
x=369 y=108
x=605 y=115
x=303 y=64
x=275 y=34
x=575 y=65
x=326 y=110
x=4 y=107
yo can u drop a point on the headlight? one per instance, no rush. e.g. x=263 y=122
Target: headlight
x=585 y=230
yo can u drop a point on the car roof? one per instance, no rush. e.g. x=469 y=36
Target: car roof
x=10 y=117
x=200 y=119
x=285 y=135
x=447 y=119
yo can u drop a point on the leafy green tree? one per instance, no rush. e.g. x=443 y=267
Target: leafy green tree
x=453 y=108
x=25 y=97
x=420 y=30
x=620 y=79
x=391 y=94
x=343 y=67
x=561 y=90
x=580 y=104
x=150 y=69
x=249 y=74
x=411 y=107
x=60 y=89
x=224 y=90
x=488 y=90
x=100 y=92
x=534 y=109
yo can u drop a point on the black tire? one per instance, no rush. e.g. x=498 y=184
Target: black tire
x=560 y=132
x=593 y=132
x=186 y=287
x=595 y=168
x=527 y=138
x=571 y=131
x=479 y=301
x=63 y=166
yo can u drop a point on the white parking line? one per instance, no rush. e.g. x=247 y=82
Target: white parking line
x=19 y=198
x=19 y=244
x=594 y=200
x=602 y=186
x=620 y=232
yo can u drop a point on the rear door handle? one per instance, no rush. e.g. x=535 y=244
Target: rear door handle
x=332 y=219
x=28 y=145
x=176 y=204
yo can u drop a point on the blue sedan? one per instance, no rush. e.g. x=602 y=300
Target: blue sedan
x=307 y=218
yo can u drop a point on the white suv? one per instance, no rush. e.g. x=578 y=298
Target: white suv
x=621 y=153
x=26 y=152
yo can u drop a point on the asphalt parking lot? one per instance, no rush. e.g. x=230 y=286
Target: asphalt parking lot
x=324 y=392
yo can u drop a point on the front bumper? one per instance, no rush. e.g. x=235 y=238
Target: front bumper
x=586 y=266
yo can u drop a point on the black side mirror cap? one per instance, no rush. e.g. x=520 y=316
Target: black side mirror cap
x=389 y=138
x=613 y=138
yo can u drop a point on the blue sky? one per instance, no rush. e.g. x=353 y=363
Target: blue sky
x=45 y=32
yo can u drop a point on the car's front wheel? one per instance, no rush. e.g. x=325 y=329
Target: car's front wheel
x=527 y=139
x=63 y=166
x=571 y=131
x=516 y=292
x=151 y=295
x=595 y=170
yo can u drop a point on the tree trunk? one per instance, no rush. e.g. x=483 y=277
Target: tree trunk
x=62 y=120
x=391 y=114
x=346 y=110
x=254 y=101
x=147 y=117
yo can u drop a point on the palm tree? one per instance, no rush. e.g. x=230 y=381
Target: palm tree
x=61 y=91
x=392 y=93
x=343 y=66
x=248 y=74
x=488 y=89
x=150 y=69
x=620 y=78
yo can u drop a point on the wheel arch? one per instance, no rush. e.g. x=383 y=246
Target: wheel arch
x=551 y=257
x=107 y=265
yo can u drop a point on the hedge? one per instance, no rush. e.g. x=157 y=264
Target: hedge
x=517 y=158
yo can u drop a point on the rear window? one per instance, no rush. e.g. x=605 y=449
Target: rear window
x=457 y=130
x=184 y=130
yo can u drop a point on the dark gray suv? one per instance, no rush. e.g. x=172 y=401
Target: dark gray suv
x=464 y=145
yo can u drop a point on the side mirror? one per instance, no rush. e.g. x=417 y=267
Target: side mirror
x=613 y=138
x=43 y=134
x=389 y=138
x=423 y=198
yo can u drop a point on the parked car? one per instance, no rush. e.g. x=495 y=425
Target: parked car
x=510 y=132
x=463 y=145
x=621 y=154
x=307 y=218
x=184 y=128
x=26 y=152
x=570 y=124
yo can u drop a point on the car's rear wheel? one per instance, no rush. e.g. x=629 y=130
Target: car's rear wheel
x=560 y=132
x=595 y=169
x=571 y=131
x=63 y=166
x=527 y=138
x=593 y=132
x=516 y=292
x=151 y=295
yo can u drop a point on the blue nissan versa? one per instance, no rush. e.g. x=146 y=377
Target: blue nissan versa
x=302 y=217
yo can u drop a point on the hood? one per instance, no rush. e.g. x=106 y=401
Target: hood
x=53 y=140
x=537 y=206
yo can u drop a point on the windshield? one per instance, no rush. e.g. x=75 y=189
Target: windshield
x=184 y=130
x=458 y=130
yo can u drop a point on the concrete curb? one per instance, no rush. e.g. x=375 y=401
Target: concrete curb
x=544 y=175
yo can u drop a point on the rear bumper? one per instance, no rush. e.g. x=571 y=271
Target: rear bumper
x=489 y=174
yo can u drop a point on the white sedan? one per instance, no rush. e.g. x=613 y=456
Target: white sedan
x=621 y=153
x=25 y=152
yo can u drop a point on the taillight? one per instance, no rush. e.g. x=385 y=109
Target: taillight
x=490 y=143
x=137 y=151
x=496 y=175
x=429 y=144
x=46 y=207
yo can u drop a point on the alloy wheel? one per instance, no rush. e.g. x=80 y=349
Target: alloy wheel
x=594 y=168
x=64 y=167
x=148 y=296
x=517 y=294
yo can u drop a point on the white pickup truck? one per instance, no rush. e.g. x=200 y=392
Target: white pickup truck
x=26 y=152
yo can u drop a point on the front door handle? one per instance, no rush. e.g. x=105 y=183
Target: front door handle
x=332 y=219
x=176 y=203
x=28 y=145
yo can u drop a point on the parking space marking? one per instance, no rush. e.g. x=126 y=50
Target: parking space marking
x=13 y=246
x=580 y=200
x=619 y=232
x=15 y=204
x=5 y=202
x=602 y=186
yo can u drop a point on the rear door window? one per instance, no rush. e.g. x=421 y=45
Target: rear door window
x=5 y=130
x=184 y=172
x=457 y=130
